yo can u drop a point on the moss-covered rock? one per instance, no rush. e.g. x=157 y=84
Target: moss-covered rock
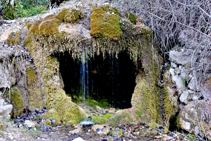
x=154 y=125
x=105 y=23
x=127 y=116
x=17 y=101
x=131 y=17
x=104 y=119
x=62 y=14
x=34 y=90
x=170 y=105
x=70 y=16
x=63 y=108
x=145 y=99
x=31 y=74
x=73 y=16
x=146 y=96
x=13 y=38
x=44 y=39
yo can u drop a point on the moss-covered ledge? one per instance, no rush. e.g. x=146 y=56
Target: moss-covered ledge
x=110 y=33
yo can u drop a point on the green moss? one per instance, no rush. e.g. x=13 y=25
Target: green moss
x=178 y=122
x=31 y=75
x=120 y=132
x=52 y=114
x=168 y=68
x=146 y=100
x=168 y=108
x=104 y=24
x=14 y=39
x=49 y=17
x=153 y=124
x=34 y=29
x=116 y=120
x=10 y=37
x=49 y=28
x=64 y=108
x=138 y=113
x=16 y=100
x=73 y=16
x=103 y=103
x=132 y=18
x=107 y=8
x=61 y=14
x=102 y=119
x=29 y=25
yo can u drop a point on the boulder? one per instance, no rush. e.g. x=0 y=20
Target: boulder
x=185 y=125
x=180 y=56
x=176 y=79
x=184 y=97
x=5 y=111
x=101 y=129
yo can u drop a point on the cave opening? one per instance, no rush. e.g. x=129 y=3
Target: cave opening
x=101 y=77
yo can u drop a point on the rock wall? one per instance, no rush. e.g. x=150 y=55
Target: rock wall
x=13 y=84
x=193 y=98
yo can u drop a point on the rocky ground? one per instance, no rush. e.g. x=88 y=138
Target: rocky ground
x=31 y=126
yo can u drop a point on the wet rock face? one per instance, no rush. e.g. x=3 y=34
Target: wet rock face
x=194 y=100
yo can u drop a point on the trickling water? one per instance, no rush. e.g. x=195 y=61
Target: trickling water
x=87 y=76
x=83 y=75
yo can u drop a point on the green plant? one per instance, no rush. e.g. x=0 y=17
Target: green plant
x=29 y=8
x=192 y=137
x=22 y=8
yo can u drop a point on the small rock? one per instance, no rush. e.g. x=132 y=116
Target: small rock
x=101 y=129
x=78 y=139
x=100 y=110
x=53 y=121
x=77 y=130
x=112 y=111
x=30 y=123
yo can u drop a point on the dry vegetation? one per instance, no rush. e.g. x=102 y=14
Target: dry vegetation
x=181 y=23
